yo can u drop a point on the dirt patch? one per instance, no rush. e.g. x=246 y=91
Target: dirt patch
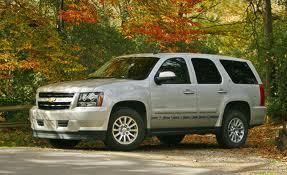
x=260 y=142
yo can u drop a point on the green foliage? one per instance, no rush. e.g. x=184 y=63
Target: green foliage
x=98 y=43
x=280 y=62
x=274 y=108
x=17 y=116
x=280 y=72
x=19 y=137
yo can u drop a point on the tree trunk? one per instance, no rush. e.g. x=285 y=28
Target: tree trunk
x=60 y=22
x=268 y=36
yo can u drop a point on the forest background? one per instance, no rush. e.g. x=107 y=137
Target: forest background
x=46 y=41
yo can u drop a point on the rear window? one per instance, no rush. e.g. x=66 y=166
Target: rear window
x=239 y=72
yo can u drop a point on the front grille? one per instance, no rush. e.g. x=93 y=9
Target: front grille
x=53 y=94
x=54 y=105
x=54 y=101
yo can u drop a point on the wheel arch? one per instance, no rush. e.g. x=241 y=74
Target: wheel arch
x=136 y=105
x=242 y=105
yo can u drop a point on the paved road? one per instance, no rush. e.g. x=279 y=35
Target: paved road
x=42 y=161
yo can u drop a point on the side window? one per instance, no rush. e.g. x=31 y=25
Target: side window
x=239 y=72
x=179 y=67
x=206 y=71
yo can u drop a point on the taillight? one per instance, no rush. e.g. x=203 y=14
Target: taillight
x=262 y=95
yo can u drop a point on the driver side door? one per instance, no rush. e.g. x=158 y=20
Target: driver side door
x=173 y=101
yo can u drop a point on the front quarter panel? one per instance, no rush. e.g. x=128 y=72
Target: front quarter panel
x=134 y=90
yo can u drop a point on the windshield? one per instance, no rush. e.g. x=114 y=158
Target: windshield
x=135 y=68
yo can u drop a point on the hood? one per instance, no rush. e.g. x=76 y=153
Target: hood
x=79 y=86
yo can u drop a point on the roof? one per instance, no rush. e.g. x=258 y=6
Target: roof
x=194 y=55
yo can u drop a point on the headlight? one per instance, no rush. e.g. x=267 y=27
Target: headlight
x=90 y=99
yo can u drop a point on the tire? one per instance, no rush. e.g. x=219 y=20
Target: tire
x=234 y=130
x=126 y=130
x=63 y=144
x=170 y=139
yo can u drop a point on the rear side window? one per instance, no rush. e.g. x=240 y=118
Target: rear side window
x=206 y=71
x=239 y=72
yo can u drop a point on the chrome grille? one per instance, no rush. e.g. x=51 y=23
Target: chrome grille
x=54 y=101
x=53 y=94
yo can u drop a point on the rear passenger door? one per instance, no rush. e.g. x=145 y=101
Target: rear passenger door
x=210 y=90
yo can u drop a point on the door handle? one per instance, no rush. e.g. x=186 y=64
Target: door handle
x=221 y=91
x=188 y=92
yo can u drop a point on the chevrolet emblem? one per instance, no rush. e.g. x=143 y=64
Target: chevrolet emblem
x=51 y=99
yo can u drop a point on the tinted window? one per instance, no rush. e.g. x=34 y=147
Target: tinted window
x=136 y=68
x=239 y=72
x=206 y=71
x=179 y=67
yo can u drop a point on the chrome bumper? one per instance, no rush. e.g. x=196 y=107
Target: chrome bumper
x=81 y=135
x=68 y=123
x=257 y=115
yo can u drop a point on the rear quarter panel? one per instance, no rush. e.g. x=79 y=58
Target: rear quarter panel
x=244 y=92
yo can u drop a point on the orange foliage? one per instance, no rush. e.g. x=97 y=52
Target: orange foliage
x=25 y=64
x=29 y=64
x=82 y=12
x=168 y=22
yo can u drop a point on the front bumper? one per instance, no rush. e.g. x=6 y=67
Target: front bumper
x=80 y=135
x=79 y=121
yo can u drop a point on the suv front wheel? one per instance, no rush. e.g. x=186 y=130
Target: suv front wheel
x=234 y=129
x=126 y=130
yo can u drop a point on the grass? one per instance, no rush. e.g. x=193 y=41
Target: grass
x=19 y=137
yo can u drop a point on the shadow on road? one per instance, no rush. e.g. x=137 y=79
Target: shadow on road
x=152 y=144
x=156 y=147
x=182 y=146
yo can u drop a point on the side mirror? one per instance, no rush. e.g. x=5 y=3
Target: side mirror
x=164 y=76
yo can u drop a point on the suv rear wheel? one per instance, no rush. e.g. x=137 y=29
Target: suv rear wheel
x=234 y=129
x=126 y=130
x=170 y=139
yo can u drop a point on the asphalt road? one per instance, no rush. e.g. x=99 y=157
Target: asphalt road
x=42 y=162
x=46 y=161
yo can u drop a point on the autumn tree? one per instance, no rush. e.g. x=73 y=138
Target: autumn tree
x=79 y=12
x=31 y=49
x=167 y=22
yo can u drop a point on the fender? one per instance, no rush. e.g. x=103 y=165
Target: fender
x=225 y=102
x=128 y=92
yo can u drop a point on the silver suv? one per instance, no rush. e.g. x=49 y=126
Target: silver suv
x=167 y=95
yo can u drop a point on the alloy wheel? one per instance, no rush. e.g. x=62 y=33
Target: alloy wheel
x=125 y=130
